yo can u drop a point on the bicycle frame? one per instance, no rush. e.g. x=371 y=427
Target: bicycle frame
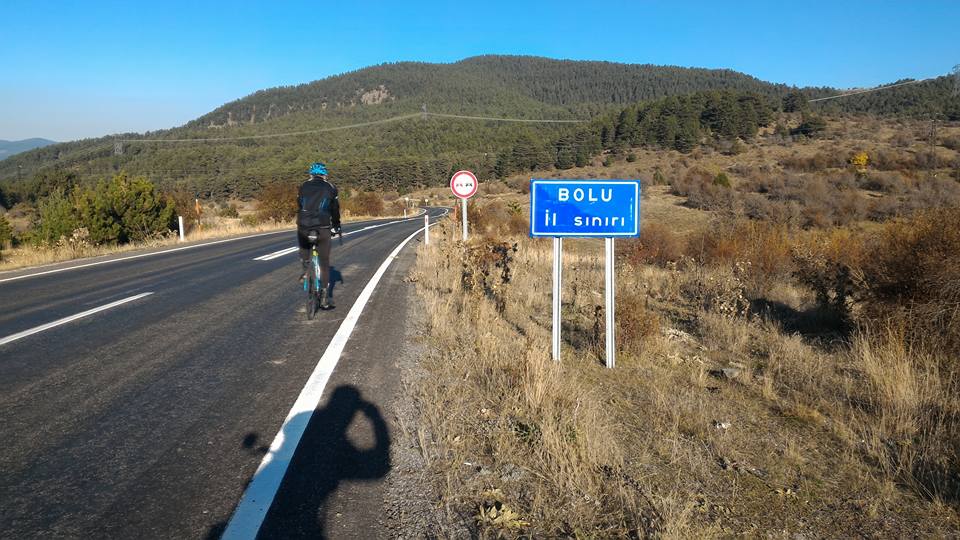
x=315 y=263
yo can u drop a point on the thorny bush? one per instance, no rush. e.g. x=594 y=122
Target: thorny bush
x=486 y=269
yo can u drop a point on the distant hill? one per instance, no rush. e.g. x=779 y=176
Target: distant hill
x=9 y=148
x=417 y=150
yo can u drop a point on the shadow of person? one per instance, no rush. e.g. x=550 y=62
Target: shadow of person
x=335 y=277
x=323 y=459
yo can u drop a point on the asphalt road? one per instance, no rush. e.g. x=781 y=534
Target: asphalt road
x=148 y=419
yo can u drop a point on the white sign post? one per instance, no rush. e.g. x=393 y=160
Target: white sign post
x=180 y=222
x=464 y=185
x=610 y=294
x=557 y=287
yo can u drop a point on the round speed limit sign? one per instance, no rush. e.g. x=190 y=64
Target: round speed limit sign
x=464 y=184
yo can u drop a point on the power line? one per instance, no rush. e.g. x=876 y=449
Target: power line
x=422 y=114
x=870 y=90
x=275 y=135
x=524 y=120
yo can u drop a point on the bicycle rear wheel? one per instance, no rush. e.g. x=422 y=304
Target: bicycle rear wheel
x=313 y=301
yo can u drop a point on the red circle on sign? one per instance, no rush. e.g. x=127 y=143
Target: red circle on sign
x=464 y=179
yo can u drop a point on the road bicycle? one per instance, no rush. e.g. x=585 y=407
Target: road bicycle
x=316 y=295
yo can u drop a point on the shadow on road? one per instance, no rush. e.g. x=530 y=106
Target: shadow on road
x=335 y=277
x=324 y=458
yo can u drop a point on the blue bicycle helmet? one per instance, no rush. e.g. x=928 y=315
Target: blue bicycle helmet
x=318 y=169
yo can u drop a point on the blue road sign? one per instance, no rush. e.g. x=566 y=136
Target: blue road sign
x=595 y=208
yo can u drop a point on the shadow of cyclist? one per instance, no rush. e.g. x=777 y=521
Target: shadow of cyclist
x=323 y=459
x=335 y=277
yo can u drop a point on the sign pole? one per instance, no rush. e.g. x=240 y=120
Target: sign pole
x=557 y=288
x=464 y=212
x=611 y=302
x=464 y=185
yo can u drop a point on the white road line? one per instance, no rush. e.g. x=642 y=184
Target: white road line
x=275 y=254
x=256 y=500
x=286 y=251
x=182 y=248
x=55 y=270
x=65 y=320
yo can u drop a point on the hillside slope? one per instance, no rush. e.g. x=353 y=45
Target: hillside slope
x=417 y=150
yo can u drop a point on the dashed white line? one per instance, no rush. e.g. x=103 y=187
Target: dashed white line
x=56 y=270
x=287 y=251
x=259 y=495
x=65 y=320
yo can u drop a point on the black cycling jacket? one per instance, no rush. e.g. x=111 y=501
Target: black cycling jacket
x=319 y=206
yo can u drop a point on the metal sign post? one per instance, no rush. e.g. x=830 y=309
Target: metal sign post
x=557 y=288
x=464 y=185
x=610 y=292
x=585 y=208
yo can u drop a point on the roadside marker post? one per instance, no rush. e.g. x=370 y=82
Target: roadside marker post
x=180 y=221
x=464 y=185
x=585 y=209
x=426 y=229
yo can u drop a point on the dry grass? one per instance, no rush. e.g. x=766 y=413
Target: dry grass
x=794 y=438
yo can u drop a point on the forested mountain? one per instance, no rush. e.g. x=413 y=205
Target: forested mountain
x=424 y=149
x=487 y=84
x=9 y=148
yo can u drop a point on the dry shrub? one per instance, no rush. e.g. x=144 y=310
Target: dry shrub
x=817 y=162
x=637 y=324
x=826 y=262
x=397 y=207
x=951 y=142
x=366 y=203
x=278 y=201
x=763 y=248
x=719 y=290
x=887 y=182
x=892 y=160
x=184 y=204
x=928 y=159
x=808 y=201
x=912 y=278
x=901 y=139
x=495 y=219
x=519 y=185
x=932 y=193
x=656 y=245
x=758 y=206
x=485 y=269
x=702 y=191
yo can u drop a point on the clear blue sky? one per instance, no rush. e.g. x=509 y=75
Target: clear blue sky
x=82 y=69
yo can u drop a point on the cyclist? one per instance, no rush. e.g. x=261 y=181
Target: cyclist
x=319 y=211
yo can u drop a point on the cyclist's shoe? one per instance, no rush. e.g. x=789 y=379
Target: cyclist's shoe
x=325 y=299
x=303 y=277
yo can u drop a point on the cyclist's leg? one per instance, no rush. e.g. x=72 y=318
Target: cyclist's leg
x=304 y=246
x=323 y=252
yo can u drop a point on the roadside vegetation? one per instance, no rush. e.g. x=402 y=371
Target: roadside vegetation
x=788 y=334
x=69 y=221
